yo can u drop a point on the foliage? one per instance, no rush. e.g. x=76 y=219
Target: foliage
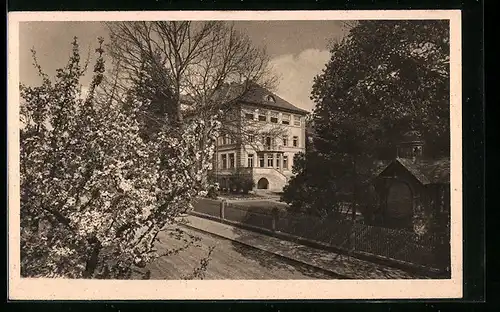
x=383 y=79
x=213 y=192
x=245 y=184
x=94 y=194
x=311 y=187
x=241 y=182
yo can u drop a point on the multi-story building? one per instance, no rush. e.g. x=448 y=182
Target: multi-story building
x=269 y=132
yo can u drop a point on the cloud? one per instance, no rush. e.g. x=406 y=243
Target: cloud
x=297 y=73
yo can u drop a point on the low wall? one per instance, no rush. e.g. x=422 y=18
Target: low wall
x=390 y=244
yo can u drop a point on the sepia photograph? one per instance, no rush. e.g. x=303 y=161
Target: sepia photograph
x=226 y=153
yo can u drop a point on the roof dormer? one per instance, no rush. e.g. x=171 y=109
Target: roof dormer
x=270 y=98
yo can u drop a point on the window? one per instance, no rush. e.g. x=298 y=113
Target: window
x=261 y=161
x=249 y=116
x=296 y=120
x=295 y=141
x=278 y=160
x=224 y=161
x=227 y=139
x=250 y=160
x=270 y=160
x=285 y=141
x=262 y=116
x=269 y=142
x=270 y=98
x=285 y=119
x=231 y=160
x=285 y=162
x=251 y=138
x=274 y=117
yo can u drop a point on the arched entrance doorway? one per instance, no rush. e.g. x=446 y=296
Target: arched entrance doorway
x=399 y=205
x=263 y=184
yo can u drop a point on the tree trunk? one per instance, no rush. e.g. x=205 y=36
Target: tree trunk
x=354 y=201
x=93 y=260
x=179 y=114
x=178 y=117
x=354 y=189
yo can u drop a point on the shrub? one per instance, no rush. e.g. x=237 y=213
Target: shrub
x=213 y=192
x=241 y=183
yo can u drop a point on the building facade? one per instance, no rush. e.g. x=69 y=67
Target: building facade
x=263 y=142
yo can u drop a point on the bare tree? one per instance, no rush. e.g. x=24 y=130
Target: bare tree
x=185 y=69
x=190 y=70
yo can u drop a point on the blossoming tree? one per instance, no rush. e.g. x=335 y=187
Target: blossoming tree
x=94 y=194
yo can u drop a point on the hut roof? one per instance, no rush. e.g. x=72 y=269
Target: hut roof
x=425 y=171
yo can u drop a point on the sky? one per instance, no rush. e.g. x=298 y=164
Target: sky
x=298 y=49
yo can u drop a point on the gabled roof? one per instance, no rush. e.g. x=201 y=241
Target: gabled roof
x=380 y=166
x=426 y=171
x=254 y=95
x=258 y=95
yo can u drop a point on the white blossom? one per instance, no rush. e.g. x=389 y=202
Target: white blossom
x=108 y=183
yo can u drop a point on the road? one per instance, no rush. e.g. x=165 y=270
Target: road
x=229 y=260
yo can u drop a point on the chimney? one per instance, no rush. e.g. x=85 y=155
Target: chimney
x=411 y=146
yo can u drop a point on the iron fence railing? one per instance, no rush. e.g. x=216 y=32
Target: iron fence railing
x=396 y=244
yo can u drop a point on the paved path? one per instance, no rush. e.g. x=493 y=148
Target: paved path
x=229 y=260
x=342 y=265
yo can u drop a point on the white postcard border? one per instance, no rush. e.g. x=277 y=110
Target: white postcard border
x=62 y=289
